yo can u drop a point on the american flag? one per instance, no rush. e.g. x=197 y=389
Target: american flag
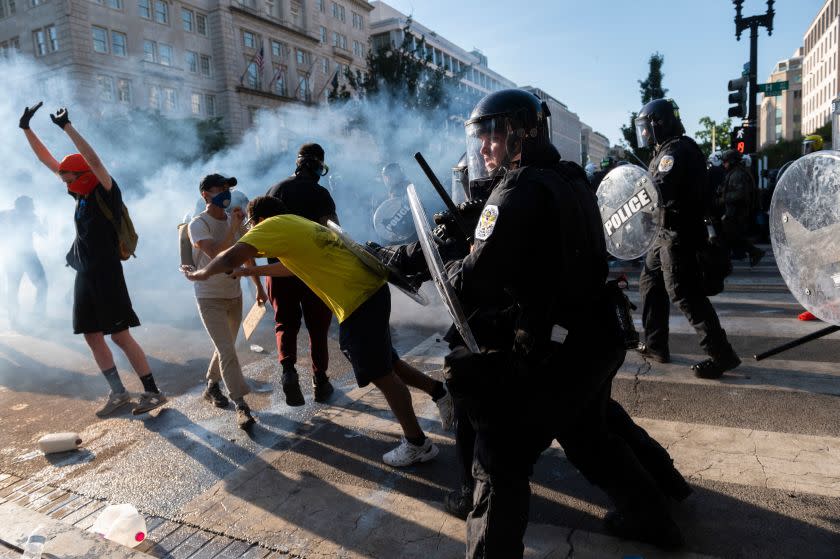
x=259 y=60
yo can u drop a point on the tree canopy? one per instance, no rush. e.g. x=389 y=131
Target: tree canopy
x=649 y=89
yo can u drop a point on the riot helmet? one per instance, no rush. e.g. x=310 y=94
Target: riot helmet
x=730 y=157
x=658 y=121
x=311 y=157
x=506 y=129
x=607 y=163
x=393 y=178
x=590 y=170
x=715 y=159
x=811 y=143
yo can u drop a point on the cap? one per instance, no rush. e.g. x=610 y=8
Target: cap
x=215 y=180
x=313 y=151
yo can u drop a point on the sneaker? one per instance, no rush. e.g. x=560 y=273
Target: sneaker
x=323 y=389
x=244 y=419
x=458 y=502
x=714 y=368
x=446 y=408
x=406 y=453
x=148 y=402
x=115 y=401
x=660 y=357
x=213 y=393
x=291 y=388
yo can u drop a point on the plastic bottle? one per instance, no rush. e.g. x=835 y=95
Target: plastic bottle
x=34 y=545
x=59 y=442
x=121 y=524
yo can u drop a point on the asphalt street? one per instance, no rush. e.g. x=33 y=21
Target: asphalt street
x=761 y=447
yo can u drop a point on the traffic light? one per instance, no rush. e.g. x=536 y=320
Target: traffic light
x=738 y=95
x=742 y=139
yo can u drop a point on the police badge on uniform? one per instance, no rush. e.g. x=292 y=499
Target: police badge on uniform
x=666 y=163
x=487 y=223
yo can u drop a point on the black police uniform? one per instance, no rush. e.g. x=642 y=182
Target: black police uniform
x=736 y=199
x=671 y=270
x=539 y=260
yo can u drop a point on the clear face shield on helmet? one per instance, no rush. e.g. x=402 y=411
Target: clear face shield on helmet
x=487 y=148
x=644 y=132
x=809 y=146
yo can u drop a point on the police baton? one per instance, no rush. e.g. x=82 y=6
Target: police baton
x=450 y=205
x=797 y=342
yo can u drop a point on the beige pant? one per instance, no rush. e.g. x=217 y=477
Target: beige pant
x=221 y=318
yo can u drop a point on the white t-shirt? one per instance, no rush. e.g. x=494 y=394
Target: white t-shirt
x=221 y=286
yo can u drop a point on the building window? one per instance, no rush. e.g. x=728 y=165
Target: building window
x=320 y=5
x=187 y=20
x=154 y=97
x=7 y=8
x=303 y=87
x=294 y=12
x=161 y=11
x=52 y=38
x=169 y=99
x=144 y=9
x=279 y=85
x=252 y=115
x=358 y=49
x=100 y=39
x=192 y=61
x=149 y=51
x=119 y=43
x=106 y=88
x=278 y=50
x=113 y=4
x=358 y=21
x=323 y=35
x=45 y=40
x=10 y=48
x=201 y=24
x=206 y=66
x=249 y=40
x=339 y=40
x=34 y=3
x=252 y=76
x=123 y=91
x=165 y=54
x=210 y=105
x=338 y=11
x=195 y=103
x=325 y=65
x=301 y=57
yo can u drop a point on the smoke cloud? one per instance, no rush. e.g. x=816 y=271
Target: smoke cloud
x=159 y=172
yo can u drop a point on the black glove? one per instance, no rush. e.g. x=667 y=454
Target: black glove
x=61 y=118
x=28 y=114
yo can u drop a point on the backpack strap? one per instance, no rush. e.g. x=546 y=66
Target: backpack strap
x=103 y=207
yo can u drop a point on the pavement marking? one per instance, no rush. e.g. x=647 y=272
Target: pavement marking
x=815 y=377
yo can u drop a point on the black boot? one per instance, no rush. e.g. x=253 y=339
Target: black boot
x=323 y=388
x=714 y=367
x=291 y=386
x=658 y=356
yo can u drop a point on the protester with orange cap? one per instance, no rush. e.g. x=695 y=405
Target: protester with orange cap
x=101 y=304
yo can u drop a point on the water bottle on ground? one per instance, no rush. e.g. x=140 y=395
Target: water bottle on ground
x=121 y=524
x=34 y=544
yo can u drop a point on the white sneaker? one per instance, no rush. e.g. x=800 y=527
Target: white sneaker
x=115 y=402
x=406 y=453
x=446 y=408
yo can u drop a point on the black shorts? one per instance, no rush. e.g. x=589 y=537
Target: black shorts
x=365 y=338
x=101 y=302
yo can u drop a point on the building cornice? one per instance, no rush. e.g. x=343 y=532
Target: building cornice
x=362 y=4
x=274 y=23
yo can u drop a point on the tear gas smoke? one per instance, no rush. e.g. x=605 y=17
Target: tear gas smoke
x=159 y=169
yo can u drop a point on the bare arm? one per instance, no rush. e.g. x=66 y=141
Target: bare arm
x=275 y=270
x=41 y=151
x=262 y=296
x=212 y=247
x=232 y=258
x=90 y=156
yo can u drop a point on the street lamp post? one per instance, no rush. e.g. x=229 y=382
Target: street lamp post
x=753 y=23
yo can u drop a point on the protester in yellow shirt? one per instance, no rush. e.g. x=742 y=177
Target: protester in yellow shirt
x=360 y=300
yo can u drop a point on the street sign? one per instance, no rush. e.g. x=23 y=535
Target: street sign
x=773 y=88
x=773 y=93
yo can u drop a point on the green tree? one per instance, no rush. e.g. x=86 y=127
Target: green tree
x=721 y=134
x=649 y=89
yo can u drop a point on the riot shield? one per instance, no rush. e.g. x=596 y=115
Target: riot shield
x=629 y=203
x=370 y=260
x=438 y=271
x=805 y=232
x=392 y=222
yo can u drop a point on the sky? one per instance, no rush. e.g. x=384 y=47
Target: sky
x=591 y=54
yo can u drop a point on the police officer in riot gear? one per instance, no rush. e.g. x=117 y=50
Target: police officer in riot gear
x=533 y=286
x=671 y=273
x=736 y=197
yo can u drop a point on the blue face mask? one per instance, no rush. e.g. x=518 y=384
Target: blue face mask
x=222 y=199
